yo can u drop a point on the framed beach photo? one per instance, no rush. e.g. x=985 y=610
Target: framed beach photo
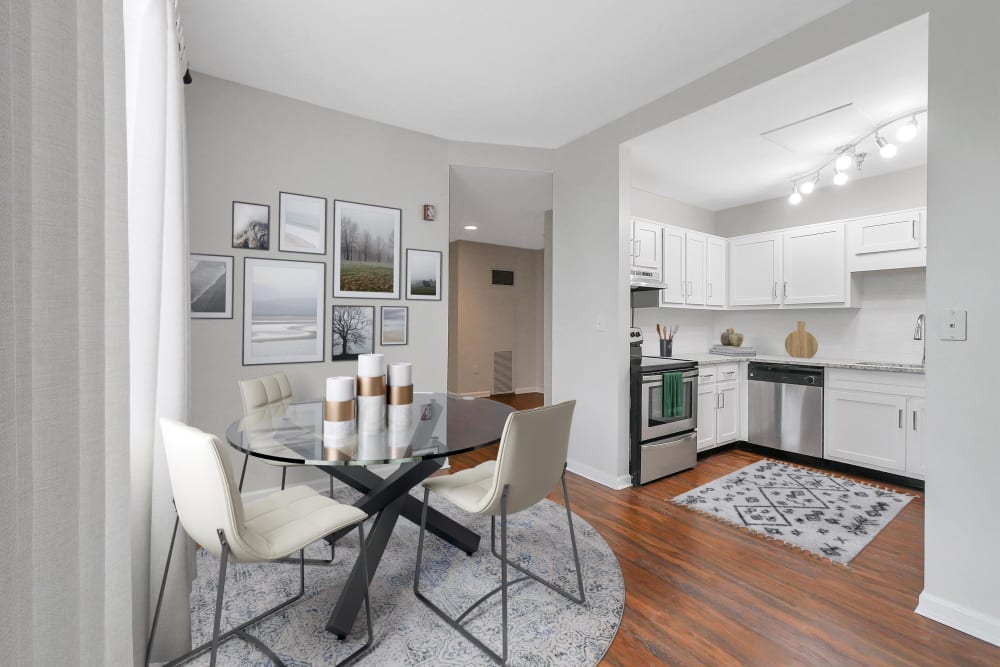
x=353 y=329
x=301 y=223
x=395 y=325
x=283 y=311
x=211 y=278
x=423 y=274
x=366 y=251
x=251 y=226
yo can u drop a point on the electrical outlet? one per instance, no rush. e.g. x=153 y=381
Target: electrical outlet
x=953 y=325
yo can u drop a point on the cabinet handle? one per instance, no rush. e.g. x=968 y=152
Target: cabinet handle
x=710 y=290
x=901 y=418
x=774 y=292
x=914 y=420
x=786 y=289
x=706 y=377
x=718 y=401
x=690 y=288
x=639 y=251
x=913 y=229
x=722 y=397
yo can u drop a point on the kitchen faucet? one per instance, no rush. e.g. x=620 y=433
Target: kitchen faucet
x=918 y=334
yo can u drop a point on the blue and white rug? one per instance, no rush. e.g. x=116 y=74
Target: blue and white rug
x=545 y=628
x=832 y=517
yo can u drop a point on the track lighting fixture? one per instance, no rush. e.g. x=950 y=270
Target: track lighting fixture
x=839 y=177
x=843 y=161
x=807 y=187
x=795 y=197
x=886 y=148
x=908 y=130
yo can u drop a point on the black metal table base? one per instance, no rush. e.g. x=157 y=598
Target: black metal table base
x=388 y=499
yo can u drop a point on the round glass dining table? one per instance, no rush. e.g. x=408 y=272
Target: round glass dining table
x=435 y=426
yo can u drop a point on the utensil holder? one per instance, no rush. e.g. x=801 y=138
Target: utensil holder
x=666 y=348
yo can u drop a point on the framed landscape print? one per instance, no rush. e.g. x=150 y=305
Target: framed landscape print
x=283 y=310
x=353 y=331
x=366 y=251
x=301 y=223
x=423 y=274
x=211 y=286
x=395 y=325
x=251 y=226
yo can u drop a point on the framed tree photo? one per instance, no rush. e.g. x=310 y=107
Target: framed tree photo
x=423 y=274
x=353 y=329
x=251 y=226
x=301 y=223
x=366 y=250
x=283 y=311
x=395 y=327
x=211 y=278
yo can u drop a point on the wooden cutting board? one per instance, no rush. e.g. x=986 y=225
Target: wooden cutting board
x=800 y=343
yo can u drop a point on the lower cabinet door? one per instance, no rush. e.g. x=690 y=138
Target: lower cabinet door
x=706 y=416
x=727 y=420
x=916 y=409
x=866 y=428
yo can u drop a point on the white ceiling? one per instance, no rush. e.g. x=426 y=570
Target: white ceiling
x=716 y=158
x=519 y=72
x=508 y=206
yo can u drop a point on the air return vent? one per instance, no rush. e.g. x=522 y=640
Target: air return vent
x=503 y=277
x=503 y=372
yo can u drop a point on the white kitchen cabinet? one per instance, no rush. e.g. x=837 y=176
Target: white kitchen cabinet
x=673 y=266
x=715 y=271
x=875 y=419
x=814 y=265
x=890 y=241
x=727 y=415
x=754 y=269
x=647 y=244
x=718 y=405
x=706 y=416
x=694 y=274
x=916 y=411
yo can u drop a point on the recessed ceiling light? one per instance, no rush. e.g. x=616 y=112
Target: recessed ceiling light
x=471 y=227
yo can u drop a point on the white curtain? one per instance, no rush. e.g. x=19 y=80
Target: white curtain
x=65 y=557
x=158 y=305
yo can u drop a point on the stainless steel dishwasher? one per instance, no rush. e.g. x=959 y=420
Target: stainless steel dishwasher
x=786 y=407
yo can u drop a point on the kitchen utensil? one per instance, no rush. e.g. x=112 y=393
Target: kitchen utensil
x=800 y=343
x=658 y=334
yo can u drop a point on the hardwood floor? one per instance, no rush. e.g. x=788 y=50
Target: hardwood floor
x=700 y=592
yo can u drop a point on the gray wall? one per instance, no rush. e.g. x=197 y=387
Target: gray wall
x=653 y=206
x=878 y=194
x=961 y=584
x=246 y=144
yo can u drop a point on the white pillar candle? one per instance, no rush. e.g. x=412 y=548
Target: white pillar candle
x=371 y=393
x=400 y=395
x=371 y=365
x=340 y=388
x=400 y=374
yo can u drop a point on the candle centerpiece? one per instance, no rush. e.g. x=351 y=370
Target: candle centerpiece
x=340 y=406
x=371 y=392
x=400 y=394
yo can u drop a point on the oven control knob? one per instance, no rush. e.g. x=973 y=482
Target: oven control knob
x=810 y=380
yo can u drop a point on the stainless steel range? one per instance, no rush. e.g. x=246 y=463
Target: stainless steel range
x=660 y=445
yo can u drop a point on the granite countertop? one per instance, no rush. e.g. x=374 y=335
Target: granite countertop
x=706 y=359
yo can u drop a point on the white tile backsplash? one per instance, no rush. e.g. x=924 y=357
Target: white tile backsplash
x=881 y=329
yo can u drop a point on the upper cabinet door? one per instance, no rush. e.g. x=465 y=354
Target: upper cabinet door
x=814 y=265
x=754 y=269
x=673 y=266
x=886 y=233
x=694 y=256
x=647 y=244
x=715 y=271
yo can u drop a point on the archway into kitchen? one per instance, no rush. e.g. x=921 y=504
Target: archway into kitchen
x=499 y=284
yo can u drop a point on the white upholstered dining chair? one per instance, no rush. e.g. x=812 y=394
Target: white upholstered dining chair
x=210 y=509
x=530 y=462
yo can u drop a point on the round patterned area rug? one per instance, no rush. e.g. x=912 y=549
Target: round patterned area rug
x=545 y=628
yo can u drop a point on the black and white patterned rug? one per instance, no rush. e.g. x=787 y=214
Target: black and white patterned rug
x=829 y=516
x=545 y=628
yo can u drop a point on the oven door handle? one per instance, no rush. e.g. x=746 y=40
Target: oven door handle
x=652 y=378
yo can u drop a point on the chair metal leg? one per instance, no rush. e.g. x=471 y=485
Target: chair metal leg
x=362 y=554
x=503 y=567
x=284 y=472
x=580 y=599
x=163 y=586
x=243 y=473
x=223 y=560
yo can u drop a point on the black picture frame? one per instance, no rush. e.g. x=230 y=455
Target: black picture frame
x=341 y=325
x=318 y=356
x=240 y=239
x=417 y=256
x=406 y=326
x=209 y=292
x=283 y=225
x=348 y=278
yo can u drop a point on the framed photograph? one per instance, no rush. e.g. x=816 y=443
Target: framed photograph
x=211 y=286
x=423 y=274
x=301 y=223
x=366 y=251
x=283 y=310
x=251 y=226
x=353 y=331
x=395 y=328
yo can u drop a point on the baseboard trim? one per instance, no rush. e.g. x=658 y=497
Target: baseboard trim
x=528 y=390
x=593 y=474
x=969 y=621
x=475 y=394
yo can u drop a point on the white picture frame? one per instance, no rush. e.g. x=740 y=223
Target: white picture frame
x=283 y=311
x=301 y=223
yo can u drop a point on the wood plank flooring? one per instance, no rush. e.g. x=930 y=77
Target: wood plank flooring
x=700 y=592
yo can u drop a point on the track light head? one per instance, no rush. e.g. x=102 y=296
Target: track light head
x=885 y=148
x=843 y=161
x=839 y=177
x=795 y=197
x=909 y=130
x=810 y=185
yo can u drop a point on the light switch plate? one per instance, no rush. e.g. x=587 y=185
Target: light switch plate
x=953 y=325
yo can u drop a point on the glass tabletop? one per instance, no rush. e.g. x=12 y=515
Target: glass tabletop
x=435 y=425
